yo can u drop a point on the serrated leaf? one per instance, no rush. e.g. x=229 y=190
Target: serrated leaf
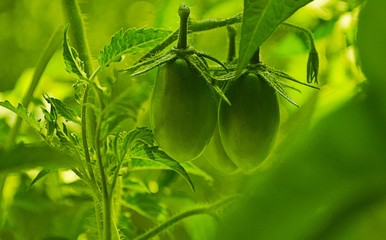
x=153 y=158
x=260 y=20
x=142 y=134
x=61 y=108
x=23 y=113
x=71 y=58
x=125 y=106
x=24 y=157
x=51 y=118
x=128 y=41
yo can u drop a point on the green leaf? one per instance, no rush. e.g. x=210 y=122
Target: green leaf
x=4 y=130
x=71 y=58
x=24 y=114
x=125 y=106
x=142 y=134
x=135 y=185
x=51 y=120
x=122 y=141
x=24 y=157
x=146 y=206
x=192 y=169
x=40 y=175
x=61 y=108
x=260 y=20
x=129 y=41
x=153 y=158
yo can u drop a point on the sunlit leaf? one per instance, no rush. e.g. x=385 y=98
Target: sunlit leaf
x=23 y=113
x=51 y=120
x=71 y=58
x=24 y=157
x=260 y=20
x=128 y=41
x=40 y=175
x=61 y=108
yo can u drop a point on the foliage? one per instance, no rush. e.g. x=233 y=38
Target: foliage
x=80 y=161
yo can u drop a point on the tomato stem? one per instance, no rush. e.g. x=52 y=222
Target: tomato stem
x=197 y=211
x=232 y=43
x=184 y=12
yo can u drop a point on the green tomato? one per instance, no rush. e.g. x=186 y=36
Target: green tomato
x=216 y=157
x=183 y=110
x=248 y=128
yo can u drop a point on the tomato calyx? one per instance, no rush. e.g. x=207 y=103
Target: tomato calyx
x=273 y=76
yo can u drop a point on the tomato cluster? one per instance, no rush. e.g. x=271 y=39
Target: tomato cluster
x=234 y=126
x=184 y=111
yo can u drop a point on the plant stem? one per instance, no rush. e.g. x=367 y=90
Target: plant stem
x=198 y=26
x=201 y=210
x=78 y=38
x=313 y=59
x=74 y=17
x=105 y=191
x=231 y=43
x=208 y=24
x=184 y=12
x=309 y=38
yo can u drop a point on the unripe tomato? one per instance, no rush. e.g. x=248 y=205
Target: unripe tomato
x=248 y=127
x=216 y=157
x=183 y=110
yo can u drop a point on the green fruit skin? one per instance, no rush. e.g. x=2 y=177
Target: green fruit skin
x=183 y=110
x=216 y=156
x=249 y=127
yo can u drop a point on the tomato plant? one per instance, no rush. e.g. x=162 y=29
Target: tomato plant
x=148 y=132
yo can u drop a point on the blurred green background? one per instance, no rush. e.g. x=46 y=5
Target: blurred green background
x=326 y=176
